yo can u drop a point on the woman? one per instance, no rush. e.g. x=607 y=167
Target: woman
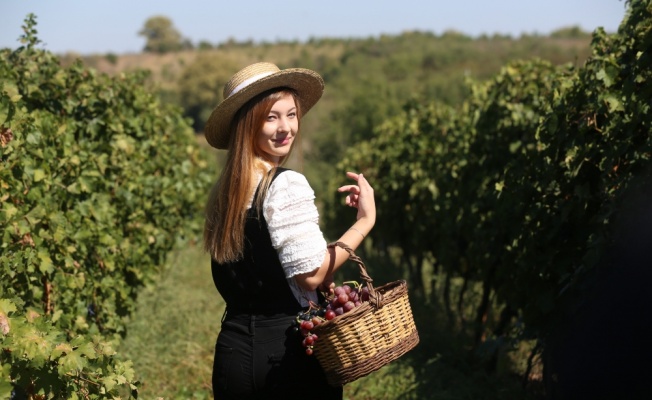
x=269 y=257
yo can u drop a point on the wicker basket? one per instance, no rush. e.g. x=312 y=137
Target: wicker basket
x=370 y=336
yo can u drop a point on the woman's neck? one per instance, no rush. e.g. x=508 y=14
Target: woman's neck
x=266 y=164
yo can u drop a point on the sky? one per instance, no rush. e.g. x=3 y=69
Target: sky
x=112 y=26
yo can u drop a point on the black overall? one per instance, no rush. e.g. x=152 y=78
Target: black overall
x=257 y=355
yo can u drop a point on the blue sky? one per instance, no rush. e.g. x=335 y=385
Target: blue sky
x=102 y=26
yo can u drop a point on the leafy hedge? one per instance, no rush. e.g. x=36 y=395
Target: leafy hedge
x=98 y=182
x=518 y=188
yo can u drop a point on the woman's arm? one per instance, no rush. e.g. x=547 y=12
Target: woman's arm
x=361 y=196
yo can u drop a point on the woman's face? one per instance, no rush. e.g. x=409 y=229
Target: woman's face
x=279 y=130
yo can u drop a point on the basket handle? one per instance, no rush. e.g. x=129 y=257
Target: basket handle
x=375 y=297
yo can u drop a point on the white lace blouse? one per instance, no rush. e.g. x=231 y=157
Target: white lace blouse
x=293 y=222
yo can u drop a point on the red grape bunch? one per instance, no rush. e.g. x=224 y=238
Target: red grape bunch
x=305 y=322
x=343 y=299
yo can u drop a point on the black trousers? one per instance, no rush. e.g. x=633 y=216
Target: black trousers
x=260 y=357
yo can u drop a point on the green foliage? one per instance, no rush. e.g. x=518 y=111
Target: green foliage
x=171 y=338
x=161 y=35
x=499 y=122
x=516 y=188
x=40 y=361
x=425 y=165
x=377 y=74
x=201 y=84
x=571 y=32
x=111 y=58
x=172 y=351
x=204 y=45
x=99 y=181
x=367 y=80
x=594 y=146
x=509 y=182
x=375 y=77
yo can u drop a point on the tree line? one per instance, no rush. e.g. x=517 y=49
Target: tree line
x=368 y=80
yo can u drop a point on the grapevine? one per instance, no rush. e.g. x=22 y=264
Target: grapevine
x=90 y=168
x=541 y=159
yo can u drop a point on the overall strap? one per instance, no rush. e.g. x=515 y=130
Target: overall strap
x=256 y=284
x=277 y=171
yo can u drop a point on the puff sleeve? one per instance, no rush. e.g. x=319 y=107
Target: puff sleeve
x=293 y=222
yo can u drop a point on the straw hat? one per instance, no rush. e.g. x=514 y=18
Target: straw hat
x=250 y=82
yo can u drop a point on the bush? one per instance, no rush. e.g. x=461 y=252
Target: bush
x=100 y=181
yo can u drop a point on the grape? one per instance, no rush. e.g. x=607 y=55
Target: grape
x=340 y=300
x=353 y=296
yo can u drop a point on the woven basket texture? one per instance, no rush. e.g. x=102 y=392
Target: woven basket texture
x=370 y=336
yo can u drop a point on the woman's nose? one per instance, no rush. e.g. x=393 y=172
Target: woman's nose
x=283 y=125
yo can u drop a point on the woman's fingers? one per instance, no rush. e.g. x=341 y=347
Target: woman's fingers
x=356 y=191
x=328 y=285
x=365 y=200
x=349 y=188
x=352 y=188
x=363 y=184
x=352 y=175
x=351 y=200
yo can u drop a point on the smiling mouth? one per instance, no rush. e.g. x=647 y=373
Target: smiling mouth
x=282 y=141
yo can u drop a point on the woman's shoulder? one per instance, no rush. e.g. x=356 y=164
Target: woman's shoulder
x=290 y=183
x=288 y=177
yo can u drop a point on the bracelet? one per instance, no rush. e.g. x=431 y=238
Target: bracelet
x=352 y=228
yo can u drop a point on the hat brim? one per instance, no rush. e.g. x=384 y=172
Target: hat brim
x=308 y=84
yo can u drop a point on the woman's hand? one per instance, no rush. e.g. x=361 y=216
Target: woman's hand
x=328 y=285
x=361 y=196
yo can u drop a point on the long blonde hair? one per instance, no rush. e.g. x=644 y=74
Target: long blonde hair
x=226 y=209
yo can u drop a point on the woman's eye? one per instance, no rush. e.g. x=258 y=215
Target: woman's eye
x=292 y=114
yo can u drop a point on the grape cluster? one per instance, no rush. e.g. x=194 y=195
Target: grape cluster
x=343 y=299
x=305 y=322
